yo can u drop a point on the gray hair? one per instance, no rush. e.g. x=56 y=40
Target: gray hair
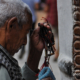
x=13 y=8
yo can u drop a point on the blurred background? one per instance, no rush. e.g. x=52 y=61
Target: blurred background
x=48 y=10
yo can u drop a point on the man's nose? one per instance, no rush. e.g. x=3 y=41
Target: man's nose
x=25 y=40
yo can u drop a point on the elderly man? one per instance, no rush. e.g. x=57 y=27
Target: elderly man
x=15 y=23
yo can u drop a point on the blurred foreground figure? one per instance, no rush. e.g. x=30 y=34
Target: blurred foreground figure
x=15 y=23
x=65 y=38
x=34 y=5
x=51 y=9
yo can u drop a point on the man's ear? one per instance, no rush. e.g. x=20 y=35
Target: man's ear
x=12 y=23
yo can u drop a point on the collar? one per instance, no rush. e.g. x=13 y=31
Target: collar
x=2 y=49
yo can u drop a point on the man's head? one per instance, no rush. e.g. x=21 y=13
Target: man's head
x=15 y=23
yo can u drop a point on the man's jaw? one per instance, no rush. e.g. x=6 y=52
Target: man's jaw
x=17 y=50
x=20 y=48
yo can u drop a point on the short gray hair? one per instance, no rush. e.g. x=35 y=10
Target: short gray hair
x=13 y=8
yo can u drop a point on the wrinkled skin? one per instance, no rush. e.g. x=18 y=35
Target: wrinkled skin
x=16 y=37
x=36 y=47
x=12 y=37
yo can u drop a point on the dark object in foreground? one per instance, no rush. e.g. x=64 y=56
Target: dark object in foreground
x=49 y=42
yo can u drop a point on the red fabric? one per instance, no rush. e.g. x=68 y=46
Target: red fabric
x=43 y=65
x=52 y=14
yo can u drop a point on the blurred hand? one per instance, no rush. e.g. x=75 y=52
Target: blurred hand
x=48 y=78
x=36 y=47
x=46 y=74
x=36 y=40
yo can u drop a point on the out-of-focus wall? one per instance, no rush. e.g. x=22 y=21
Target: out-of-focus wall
x=65 y=27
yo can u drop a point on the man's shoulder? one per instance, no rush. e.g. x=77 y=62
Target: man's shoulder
x=4 y=75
